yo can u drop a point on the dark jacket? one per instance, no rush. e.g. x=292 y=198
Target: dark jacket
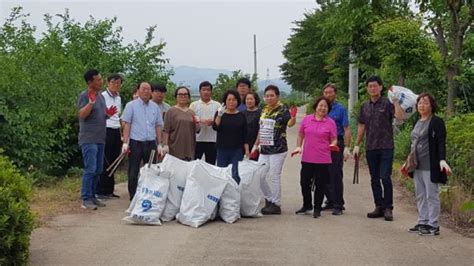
x=437 y=148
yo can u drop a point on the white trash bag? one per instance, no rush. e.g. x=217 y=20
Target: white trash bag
x=229 y=205
x=251 y=173
x=150 y=198
x=407 y=101
x=204 y=187
x=178 y=170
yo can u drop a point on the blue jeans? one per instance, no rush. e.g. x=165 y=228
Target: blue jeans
x=380 y=167
x=93 y=158
x=230 y=156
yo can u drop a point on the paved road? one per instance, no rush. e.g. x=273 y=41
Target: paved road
x=100 y=237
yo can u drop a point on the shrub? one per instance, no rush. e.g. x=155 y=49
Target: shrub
x=16 y=220
x=460 y=147
x=402 y=141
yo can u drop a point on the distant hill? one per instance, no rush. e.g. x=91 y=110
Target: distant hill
x=192 y=76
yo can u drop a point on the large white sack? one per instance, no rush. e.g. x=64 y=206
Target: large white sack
x=149 y=201
x=229 y=205
x=204 y=188
x=134 y=199
x=178 y=170
x=251 y=173
x=140 y=180
x=406 y=98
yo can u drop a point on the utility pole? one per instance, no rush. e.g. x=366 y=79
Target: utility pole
x=255 y=55
x=353 y=82
x=267 y=81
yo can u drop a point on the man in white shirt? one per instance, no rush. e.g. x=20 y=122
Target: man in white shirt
x=205 y=109
x=113 y=140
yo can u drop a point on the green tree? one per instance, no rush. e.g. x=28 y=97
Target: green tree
x=226 y=82
x=450 y=22
x=42 y=77
x=319 y=47
x=403 y=47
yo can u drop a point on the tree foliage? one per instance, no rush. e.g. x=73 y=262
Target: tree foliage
x=319 y=49
x=451 y=23
x=402 y=47
x=42 y=77
x=431 y=50
x=226 y=82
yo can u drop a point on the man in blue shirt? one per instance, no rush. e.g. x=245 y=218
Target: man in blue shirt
x=141 y=132
x=335 y=189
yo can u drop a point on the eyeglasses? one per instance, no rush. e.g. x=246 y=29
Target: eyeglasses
x=183 y=94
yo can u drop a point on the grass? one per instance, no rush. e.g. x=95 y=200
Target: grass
x=457 y=204
x=60 y=197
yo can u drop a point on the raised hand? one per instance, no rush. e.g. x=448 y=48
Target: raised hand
x=92 y=96
x=293 y=111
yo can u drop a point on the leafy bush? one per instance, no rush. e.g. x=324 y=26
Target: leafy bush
x=41 y=77
x=402 y=141
x=16 y=220
x=460 y=149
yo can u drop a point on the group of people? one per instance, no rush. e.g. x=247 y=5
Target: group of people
x=236 y=127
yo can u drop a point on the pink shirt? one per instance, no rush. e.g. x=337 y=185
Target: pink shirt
x=317 y=137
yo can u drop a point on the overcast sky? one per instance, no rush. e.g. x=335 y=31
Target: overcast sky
x=209 y=34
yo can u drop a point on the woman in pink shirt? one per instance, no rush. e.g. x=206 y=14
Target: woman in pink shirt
x=318 y=132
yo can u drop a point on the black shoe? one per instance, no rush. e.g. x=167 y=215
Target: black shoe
x=102 y=196
x=428 y=230
x=388 y=215
x=328 y=207
x=337 y=212
x=267 y=204
x=272 y=209
x=304 y=210
x=415 y=229
x=316 y=213
x=377 y=213
x=113 y=195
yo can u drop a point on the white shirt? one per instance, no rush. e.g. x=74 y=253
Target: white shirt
x=205 y=111
x=110 y=99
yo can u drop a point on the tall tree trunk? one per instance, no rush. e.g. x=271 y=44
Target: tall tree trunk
x=401 y=79
x=452 y=72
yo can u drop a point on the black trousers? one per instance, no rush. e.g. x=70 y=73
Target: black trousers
x=335 y=189
x=209 y=149
x=113 y=148
x=139 y=152
x=317 y=174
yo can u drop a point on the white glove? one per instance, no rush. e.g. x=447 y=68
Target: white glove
x=443 y=165
x=393 y=96
x=163 y=149
x=347 y=153
x=221 y=110
x=355 y=151
x=125 y=148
